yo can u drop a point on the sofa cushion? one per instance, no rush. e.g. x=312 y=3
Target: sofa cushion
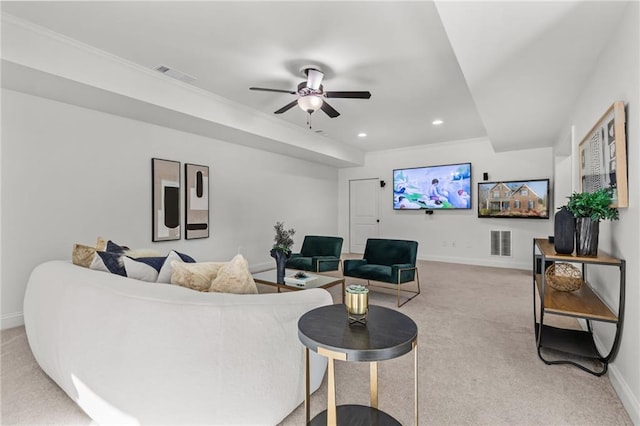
x=388 y=252
x=82 y=255
x=300 y=262
x=150 y=269
x=234 y=277
x=143 y=268
x=108 y=262
x=372 y=272
x=314 y=245
x=115 y=248
x=165 y=272
x=196 y=276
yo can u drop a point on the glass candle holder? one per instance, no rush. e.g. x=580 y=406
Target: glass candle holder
x=357 y=301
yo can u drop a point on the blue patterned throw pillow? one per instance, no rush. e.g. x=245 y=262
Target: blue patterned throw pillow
x=108 y=262
x=143 y=268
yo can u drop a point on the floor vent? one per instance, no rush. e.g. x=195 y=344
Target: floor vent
x=178 y=75
x=500 y=243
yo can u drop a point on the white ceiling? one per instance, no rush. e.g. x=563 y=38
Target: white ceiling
x=507 y=70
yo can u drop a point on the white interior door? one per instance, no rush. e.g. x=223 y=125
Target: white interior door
x=363 y=212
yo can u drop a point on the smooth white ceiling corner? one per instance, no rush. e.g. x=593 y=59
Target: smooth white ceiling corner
x=526 y=62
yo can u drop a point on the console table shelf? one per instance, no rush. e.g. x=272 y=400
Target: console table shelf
x=584 y=303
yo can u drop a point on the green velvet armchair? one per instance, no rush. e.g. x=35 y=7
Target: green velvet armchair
x=388 y=261
x=318 y=254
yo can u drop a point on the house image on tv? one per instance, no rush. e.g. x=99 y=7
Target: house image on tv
x=522 y=200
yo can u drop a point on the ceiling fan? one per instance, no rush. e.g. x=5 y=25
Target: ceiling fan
x=311 y=94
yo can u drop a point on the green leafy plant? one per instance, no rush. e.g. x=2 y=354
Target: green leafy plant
x=283 y=240
x=596 y=205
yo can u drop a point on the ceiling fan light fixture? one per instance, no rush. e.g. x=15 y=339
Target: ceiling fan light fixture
x=310 y=103
x=314 y=78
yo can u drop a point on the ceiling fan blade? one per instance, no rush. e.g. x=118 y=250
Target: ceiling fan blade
x=272 y=90
x=354 y=95
x=287 y=107
x=329 y=110
x=314 y=78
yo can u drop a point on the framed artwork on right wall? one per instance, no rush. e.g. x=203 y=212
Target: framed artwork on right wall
x=603 y=156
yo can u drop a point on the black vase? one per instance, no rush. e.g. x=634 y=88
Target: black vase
x=564 y=231
x=587 y=232
x=281 y=257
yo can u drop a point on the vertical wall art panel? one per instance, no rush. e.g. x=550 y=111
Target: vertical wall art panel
x=165 y=200
x=603 y=156
x=197 y=201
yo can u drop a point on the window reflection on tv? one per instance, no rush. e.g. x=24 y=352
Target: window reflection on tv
x=525 y=199
x=433 y=187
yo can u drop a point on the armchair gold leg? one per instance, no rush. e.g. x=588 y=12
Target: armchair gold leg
x=398 y=284
x=408 y=291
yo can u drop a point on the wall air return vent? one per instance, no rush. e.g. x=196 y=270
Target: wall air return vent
x=500 y=243
x=178 y=75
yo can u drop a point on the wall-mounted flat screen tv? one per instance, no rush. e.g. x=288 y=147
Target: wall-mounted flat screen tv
x=524 y=199
x=432 y=187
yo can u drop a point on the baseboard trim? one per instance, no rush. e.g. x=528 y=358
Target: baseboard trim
x=11 y=320
x=628 y=399
x=479 y=262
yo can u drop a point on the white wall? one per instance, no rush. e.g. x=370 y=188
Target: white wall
x=618 y=78
x=453 y=236
x=70 y=174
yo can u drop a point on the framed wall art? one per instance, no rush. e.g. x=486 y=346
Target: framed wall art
x=603 y=156
x=196 y=201
x=165 y=200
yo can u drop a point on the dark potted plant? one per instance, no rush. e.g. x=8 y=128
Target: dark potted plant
x=589 y=208
x=281 y=250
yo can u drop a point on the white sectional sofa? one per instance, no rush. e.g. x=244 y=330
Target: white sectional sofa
x=132 y=352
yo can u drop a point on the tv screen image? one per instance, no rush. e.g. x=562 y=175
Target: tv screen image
x=526 y=199
x=432 y=187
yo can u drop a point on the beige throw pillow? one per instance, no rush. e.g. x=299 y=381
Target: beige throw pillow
x=101 y=244
x=82 y=255
x=196 y=276
x=234 y=277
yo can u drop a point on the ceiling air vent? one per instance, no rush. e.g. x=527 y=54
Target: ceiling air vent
x=178 y=75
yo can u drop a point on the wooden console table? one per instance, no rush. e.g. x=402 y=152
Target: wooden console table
x=585 y=303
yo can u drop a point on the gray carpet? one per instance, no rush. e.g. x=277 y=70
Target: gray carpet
x=477 y=364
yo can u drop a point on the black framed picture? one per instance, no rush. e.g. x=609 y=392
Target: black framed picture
x=196 y=201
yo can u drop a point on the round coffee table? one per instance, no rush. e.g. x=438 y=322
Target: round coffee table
x=388 y=334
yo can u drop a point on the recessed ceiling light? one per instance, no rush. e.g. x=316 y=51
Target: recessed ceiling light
x=437 y=122
x=362 y=135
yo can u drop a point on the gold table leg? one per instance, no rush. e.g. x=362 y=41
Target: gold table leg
x=331 y=356
x=373 y=372
x=307 y=386
x=415 y=381
x=331 y=395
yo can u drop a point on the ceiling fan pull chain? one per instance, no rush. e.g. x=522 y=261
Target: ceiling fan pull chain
x=309 y=120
